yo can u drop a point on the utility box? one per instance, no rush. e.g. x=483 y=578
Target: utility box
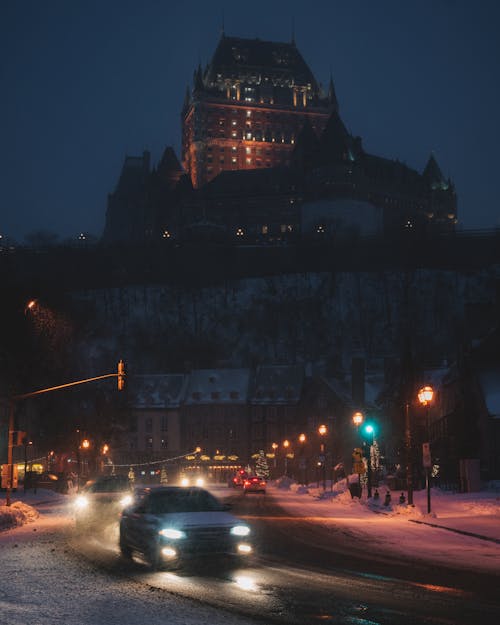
x=6 y=476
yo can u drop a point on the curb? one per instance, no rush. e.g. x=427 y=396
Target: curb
x=463 y=532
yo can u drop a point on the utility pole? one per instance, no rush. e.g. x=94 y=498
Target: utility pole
x=120 y=375
x=409 y=459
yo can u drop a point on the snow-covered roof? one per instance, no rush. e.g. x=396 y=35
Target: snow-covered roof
x=490 y=383
x=157 y=390
x=277 y=384
x=218 y=386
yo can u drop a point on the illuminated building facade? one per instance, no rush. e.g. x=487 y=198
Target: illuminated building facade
x=266 y=158
x=247 y=108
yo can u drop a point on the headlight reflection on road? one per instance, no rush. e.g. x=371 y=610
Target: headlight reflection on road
x=246 y=583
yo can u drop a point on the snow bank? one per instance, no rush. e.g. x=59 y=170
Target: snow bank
x=16 y=514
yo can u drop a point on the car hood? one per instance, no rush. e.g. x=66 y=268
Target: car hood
x=199 y=519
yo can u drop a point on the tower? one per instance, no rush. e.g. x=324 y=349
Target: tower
x=248 y=106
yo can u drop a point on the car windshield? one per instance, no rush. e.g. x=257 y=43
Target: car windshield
x=184 y=500
x=106 y=486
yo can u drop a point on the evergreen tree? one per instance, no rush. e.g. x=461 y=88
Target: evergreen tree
x=261 y=466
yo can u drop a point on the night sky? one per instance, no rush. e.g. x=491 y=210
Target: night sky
x=86 y=82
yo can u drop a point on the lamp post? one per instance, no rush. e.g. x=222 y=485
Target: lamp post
x=323 y=431
x=302 y=460
x=274 y=447
x=357 y=419
x=286 y=445
x=425 y=397
x=370 y=430
x=409 y=459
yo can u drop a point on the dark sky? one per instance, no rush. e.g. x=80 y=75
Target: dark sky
x=85 y=82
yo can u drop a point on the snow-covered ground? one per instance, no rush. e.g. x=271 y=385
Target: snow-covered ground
x=406 y=530
x=463 y=530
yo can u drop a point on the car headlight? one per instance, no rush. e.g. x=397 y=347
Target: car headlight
x=185 y=481
x=81 y=502
x=170 y=532
x=240 y=530
x=200 y=481
x=126 y=501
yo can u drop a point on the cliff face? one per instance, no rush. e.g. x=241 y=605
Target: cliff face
x=311 y=317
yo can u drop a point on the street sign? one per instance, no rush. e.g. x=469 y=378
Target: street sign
x=426 y=455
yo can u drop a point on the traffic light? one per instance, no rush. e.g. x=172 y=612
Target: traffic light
x=368 y=431
x=121 y=375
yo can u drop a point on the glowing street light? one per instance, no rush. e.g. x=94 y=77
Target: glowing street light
x=425 y=396
x=357 y=419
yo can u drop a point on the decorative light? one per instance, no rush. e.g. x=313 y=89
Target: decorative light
x=302 y=438
x=322 y=430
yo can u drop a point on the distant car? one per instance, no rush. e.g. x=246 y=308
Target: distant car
x=237 y=480
x=193 y=480
x=100 y=501
x=254 y=484
x=171 y=524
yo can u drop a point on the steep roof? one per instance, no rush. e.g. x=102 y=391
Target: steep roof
x=433 y=175
x=218 y=386
x=234 y=54
x=157 y=390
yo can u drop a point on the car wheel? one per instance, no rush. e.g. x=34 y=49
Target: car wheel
x=153 y=557
x=125 y=549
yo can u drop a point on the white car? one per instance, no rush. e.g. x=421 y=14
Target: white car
x=169 y=524
x=100 y=501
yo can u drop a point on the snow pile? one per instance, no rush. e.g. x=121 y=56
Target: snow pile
x=16 y=514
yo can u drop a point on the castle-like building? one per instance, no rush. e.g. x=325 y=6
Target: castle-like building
x=267 y=157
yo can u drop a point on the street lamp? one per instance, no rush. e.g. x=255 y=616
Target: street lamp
x=274 y=447
x=323 y=431
x=357 y=419
x=302 y=460
x=425 y=396
x=286 y=445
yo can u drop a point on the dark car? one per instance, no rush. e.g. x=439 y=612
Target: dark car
x=101 y=500
x=170 y=524
x=254 y=484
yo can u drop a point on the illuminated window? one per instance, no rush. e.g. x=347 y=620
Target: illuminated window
x=234 y=134
x=249 y=136
x=249 y=161
x=164 y=443
x=149 y=442
x=234 y=160
x=234 y=122
x=249 y=113
x=248 y=150
x=265 y=229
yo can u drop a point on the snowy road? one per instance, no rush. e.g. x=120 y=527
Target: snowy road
x=52 y=575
